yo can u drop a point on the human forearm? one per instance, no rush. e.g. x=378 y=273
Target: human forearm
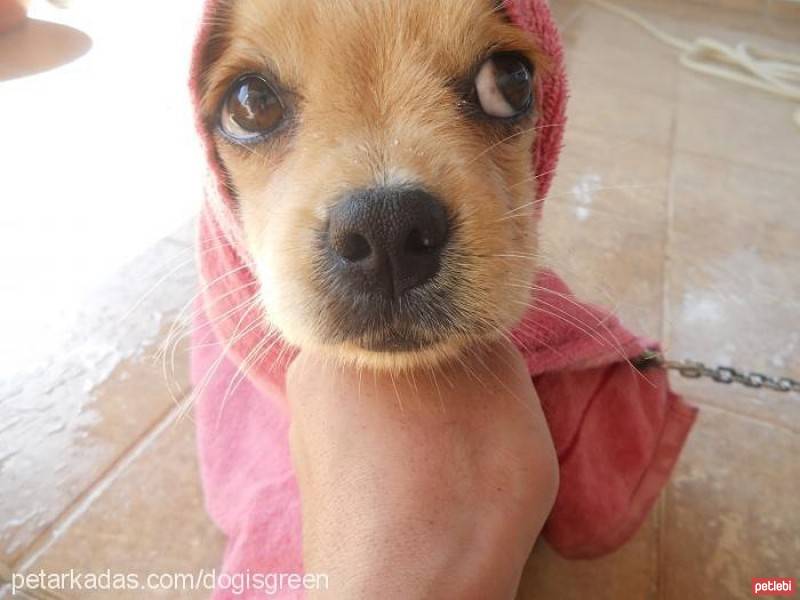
x=442 y=498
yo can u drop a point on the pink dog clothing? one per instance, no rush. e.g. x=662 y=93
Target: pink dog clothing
x=618 y=432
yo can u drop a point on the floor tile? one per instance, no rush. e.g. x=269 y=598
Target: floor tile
x=773 y=29
x=736 y=304
x=638 y=116
x=629 y=573
x=689 y=20
x=783 y=11
x=727 y=120
x=752 y=207
x=609 y=261
x=653 y=66
x=733 y=296
x=94 y=391
x=732 y=510
x=150 y=519
x=605 y=51
x=619 y=175
x=564 y=11
x=755 y=7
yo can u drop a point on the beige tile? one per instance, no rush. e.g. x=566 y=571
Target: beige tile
x=638 y=116
x=622 y=176
x=732 y=302
x=609 y=261
x=755 y=7
x=689 y=20
x=631 y=572
x=732 y=509
x=780 y=26
x=604 y=224
x=774 y=27
x=564 y=11
x=754 y=208
x=607 y=52
x=767 y=33
x=96 y=390
x=783 y=11
x=150 y=519
x=727 y=120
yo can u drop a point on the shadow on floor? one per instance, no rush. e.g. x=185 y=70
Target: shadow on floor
x=36 y=46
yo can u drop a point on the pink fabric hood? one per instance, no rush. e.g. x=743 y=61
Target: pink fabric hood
x=618 y=432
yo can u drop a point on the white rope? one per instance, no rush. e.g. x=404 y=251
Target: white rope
x=772 y=72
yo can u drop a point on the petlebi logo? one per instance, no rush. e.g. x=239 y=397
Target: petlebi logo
x=774 y=586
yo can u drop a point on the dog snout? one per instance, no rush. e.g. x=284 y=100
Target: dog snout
x=387 y=240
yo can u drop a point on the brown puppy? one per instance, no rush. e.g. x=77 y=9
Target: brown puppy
x=380 y=154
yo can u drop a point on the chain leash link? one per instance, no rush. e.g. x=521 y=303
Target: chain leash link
x=721 y=374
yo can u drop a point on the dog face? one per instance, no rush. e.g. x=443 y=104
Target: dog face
x=380 y=155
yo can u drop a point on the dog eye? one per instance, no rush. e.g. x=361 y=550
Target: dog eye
x=251 y=109
x=504 y=86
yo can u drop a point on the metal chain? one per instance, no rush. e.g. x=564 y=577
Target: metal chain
x=721 y=374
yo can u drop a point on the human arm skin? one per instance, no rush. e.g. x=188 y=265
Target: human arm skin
x=421 y=487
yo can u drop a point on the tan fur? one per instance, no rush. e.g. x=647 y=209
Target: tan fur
x=370 y=79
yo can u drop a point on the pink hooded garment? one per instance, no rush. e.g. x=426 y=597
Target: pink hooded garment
x=617 y=431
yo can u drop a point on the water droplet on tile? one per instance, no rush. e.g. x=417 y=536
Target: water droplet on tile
x=702 y=307
x=585 y=188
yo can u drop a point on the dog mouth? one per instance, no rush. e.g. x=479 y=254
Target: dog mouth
x=391 y=342
x=373 y=323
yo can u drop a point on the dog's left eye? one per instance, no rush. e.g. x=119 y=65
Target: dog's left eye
x=251 y=109
x=504 y=86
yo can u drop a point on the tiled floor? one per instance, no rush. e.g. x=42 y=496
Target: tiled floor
x=677 y=204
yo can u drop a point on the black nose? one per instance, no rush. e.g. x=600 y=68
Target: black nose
x=387 y=240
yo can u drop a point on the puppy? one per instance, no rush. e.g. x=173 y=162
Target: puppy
x=376 y=175
x=380 y=155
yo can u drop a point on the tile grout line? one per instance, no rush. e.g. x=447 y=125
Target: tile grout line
x=54 y=532
x=740 y=163
x=782 y=253
x=666 y=287
x=704 y=404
